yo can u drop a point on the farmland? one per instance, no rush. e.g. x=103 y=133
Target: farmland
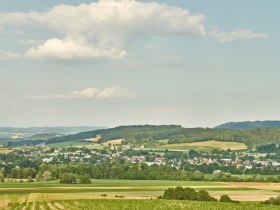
x=5 y=150
x=205 y=145
x=120 y=204
x=131 y=189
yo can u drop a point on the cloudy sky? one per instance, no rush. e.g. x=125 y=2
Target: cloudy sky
x=122 y=62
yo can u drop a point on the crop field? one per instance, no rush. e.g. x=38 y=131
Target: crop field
x=113 y=142
x=205 y=145
x=5 y=150
x=131 y=189
x=123 y=204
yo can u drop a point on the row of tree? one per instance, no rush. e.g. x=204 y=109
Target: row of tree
x=180 y=193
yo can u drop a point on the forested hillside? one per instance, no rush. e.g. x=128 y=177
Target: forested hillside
x=249 y=125
x=175 y=133
x=178 y=134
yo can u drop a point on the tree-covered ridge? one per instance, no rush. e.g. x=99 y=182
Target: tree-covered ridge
x=178 y=134
x=133 y=134
x=250 y=124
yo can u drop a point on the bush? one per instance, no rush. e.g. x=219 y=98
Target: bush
x=203 y=195
x=68 y=178
x=273 y=201
x=180 y=193
x=227 y=199
x=85 y=179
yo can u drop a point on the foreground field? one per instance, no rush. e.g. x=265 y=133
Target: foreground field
x=205 y=145
x=134 y=205
x=131 y=189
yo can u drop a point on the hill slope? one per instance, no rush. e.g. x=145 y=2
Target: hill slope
x=177 y=134
x=250 y=124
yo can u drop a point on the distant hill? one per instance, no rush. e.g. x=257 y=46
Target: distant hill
x=250 y=125
x=133 y=133
x=58 y=130
x=177 y=134
x=147 y=134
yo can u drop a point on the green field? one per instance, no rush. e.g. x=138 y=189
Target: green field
x=70 y=144
x=121 y=204
x=132 y=189
x=112 y=183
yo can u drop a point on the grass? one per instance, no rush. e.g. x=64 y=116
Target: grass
x=70 y=143
x=205 y=145
x=111 y=183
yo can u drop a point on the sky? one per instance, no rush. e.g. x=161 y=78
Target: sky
x=196 y=63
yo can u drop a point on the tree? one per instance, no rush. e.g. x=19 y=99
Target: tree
x=85 y=179
x=197 y=176
x=227 y=199
x=2 y=178
x=203 y=195
x=68 y=178
x=47 y=176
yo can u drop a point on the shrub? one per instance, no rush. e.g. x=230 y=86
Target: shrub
x=273 y=201
x=180 y=193
x=68 y=178
x=203 y=195
x=85 y=179
x=227 y=199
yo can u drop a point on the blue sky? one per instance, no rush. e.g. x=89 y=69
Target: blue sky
x=109 y=63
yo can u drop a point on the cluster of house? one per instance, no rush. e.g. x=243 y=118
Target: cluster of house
x=81 y=156
x=248 y=164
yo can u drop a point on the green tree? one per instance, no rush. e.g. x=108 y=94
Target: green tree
x=68 y=178
x=85 y=179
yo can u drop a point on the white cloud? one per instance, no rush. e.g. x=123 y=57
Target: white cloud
x=237 y=34
x=88 y=92
x=103 y=28
x=4 y=56
x=116 y=92
x=166 y=110
x=106 y=93
x=71 y=49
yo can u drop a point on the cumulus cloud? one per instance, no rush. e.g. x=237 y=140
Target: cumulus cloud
x=71 y=49
x=116 y=92
x=4 y=56
x=106 y=93
x=237 y=34
x=103 y=28
x=88 y=92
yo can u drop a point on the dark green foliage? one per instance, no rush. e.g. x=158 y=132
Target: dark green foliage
x=180 y=193
x=249 y=125
x=273 y=201
x=227 y=199
x=85 y=179
x=267 y=148
x=203 y=195
x=68 y=178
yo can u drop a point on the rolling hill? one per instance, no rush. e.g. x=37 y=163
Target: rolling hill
x=250 y=125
